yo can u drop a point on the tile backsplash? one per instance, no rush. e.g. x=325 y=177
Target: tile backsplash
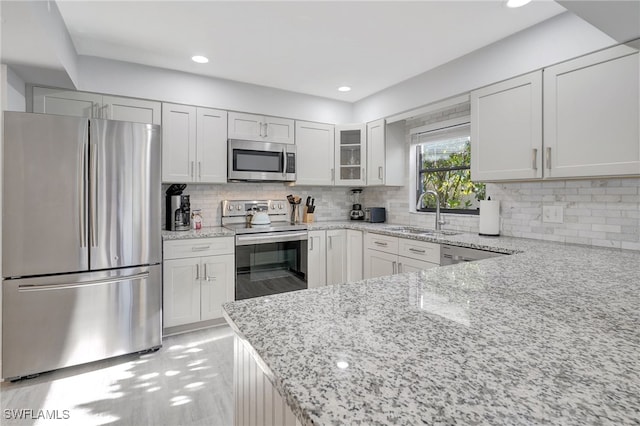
x=332 y=203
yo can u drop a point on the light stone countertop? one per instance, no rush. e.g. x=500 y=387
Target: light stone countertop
x=548 y=335
x=206 y=232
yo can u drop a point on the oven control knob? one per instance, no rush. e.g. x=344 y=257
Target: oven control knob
x=239 y=207
x=280 y=206
x=273 y=206
x=230 y=207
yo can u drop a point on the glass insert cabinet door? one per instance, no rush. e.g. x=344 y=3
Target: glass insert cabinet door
x=351 y=155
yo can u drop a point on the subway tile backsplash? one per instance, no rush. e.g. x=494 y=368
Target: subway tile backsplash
x=332 y=203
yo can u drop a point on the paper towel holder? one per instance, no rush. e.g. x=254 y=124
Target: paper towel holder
x=489 y=225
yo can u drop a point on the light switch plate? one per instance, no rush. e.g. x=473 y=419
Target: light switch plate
x=552 y=214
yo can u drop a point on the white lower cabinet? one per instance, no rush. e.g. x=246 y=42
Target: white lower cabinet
x=316 y=259
x=334 y=257
x=354 y=255
x=379 y=264
x=385 y=255
x=198 y=277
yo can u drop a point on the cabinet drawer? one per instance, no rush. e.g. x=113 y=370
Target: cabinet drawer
x=383 y=243
x=420 y=250
x=179 y=249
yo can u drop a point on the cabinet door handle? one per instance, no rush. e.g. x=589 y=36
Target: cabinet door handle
x=333 y=175
x=200 y=248
x=548 y=159
x=415 y=250
x=191 y=172
x=197 y=272
x=380 y=243
x=534 y=159
x=330 y=242
x=311 y=244
x=199 y=169
x=266 y=130
x=395 y=267
x=380 y=173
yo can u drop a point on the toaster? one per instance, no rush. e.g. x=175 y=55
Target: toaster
x=375 y=214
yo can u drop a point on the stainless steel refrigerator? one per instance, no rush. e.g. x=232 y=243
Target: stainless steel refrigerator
x=81 y=248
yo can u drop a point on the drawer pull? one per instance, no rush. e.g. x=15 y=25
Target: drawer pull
x=380 y=243
x=200 y=248
x=415 y=250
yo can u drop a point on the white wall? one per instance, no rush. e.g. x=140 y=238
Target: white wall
x=555 y=40
x=127 y=79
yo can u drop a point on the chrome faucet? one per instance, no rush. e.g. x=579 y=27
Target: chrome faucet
x=439 y=220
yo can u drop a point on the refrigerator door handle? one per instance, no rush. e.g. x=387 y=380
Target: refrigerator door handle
x=110 y=280
x=93 y=203
x=82 y=192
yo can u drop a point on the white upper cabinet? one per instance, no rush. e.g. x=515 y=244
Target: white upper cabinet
x=211 y=145
x=314 y=152
x=194 y=144
x=375 y=152
x=350 y=155
x=261 y=128
x=385 y=153
x=82 y=104
x=127 y=109
x=178 y=143
x=591 y=115
x=66 y=102
x=506 y=130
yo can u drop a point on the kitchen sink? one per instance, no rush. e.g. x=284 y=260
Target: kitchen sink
x=420 y=231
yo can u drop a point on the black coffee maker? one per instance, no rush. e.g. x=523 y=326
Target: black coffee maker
x=178 y=209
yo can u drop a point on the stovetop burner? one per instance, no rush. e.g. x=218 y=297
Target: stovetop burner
x=235 y=212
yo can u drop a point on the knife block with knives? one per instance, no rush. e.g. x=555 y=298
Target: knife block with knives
x=309 y=208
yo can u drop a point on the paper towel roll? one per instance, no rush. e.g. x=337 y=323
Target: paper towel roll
x=490 y=218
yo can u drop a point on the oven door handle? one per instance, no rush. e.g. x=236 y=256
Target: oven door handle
x=270 y=237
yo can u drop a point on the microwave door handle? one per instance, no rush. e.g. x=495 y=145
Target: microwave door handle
x=284 y=162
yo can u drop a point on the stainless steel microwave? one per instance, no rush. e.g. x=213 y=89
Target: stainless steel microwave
x=260 y=161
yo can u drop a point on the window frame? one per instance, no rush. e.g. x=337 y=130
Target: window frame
x=449 y=129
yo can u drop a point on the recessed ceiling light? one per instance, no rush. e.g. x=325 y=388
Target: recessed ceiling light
x=517 y=3
x=200 y=59
x=344 y=88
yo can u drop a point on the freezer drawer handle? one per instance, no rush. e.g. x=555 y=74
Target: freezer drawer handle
x=31 y=287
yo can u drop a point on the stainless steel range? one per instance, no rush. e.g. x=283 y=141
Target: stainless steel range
x=271 y=253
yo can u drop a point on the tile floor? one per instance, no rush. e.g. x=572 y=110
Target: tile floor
x=189 y=381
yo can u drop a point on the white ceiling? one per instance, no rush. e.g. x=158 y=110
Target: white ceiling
x=302 y=46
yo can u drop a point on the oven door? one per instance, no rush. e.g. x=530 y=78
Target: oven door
x=270 y=263
x=260 y=161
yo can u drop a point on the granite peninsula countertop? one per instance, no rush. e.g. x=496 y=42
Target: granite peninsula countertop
x=549 y=335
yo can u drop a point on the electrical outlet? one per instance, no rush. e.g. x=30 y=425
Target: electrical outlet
x=552 y=214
